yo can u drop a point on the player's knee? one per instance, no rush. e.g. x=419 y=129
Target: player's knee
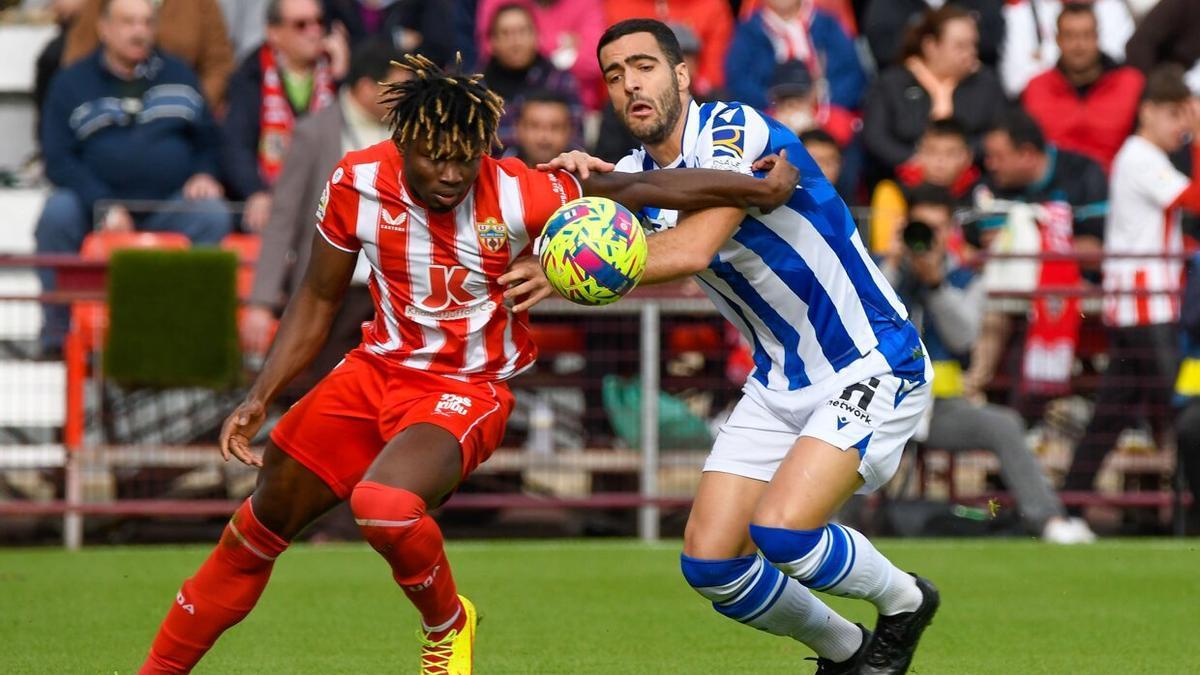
x=385 y=514
x=795 y=552
x=737 y=587
x=714 y=579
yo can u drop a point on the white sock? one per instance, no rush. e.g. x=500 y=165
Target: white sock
x=840 y=560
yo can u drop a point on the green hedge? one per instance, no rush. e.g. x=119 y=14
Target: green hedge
x=173 y=319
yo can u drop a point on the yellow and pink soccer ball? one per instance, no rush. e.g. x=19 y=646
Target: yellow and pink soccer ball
x=593 y=251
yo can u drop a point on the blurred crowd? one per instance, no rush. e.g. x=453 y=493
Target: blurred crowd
x=1018 y=127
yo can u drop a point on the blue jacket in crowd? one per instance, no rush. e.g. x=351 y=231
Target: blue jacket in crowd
x=108 y=138
x=750 y=62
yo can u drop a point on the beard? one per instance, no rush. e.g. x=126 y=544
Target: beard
x=669 y=110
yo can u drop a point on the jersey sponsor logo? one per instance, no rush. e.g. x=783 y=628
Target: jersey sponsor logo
x=414 y=312
x=446 y=285
x=493 y=234
x=182 y=602
x=866 y=393
x=453 y=404
x=557 y=186
x=394 y=223
x=337 y=175
x=323 y=204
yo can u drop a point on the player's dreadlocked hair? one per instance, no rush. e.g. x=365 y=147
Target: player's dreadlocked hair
x=456 y=114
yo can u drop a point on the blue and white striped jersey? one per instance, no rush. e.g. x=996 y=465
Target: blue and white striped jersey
x=796 y=282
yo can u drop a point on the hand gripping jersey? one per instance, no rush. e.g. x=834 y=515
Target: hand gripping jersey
x=796 y=282
x=438 y=307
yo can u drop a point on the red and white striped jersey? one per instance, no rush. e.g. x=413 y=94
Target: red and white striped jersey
x=438 y=306
x=1143 y=218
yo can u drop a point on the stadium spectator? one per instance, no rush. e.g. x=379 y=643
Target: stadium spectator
x=945 y=302
x=1168 y=33
x=191 y=30
x=1087 y=103
x=842 y=10
x=419 y=26
x=710 y=20
x=50 y=58
x=797 y=102
x=294 y=73
x=940 y=77
x=1187 y=391
x=516 y=67
x=567 y=35
x=1141 y=305
x=247 y=23
x=887 y=22
x=1023 y=167
x=825 y=152
x=793 y=30
x=320 y=140
x=126 y=123
x=943 y=160
x=1030 y=42
x=544 y=128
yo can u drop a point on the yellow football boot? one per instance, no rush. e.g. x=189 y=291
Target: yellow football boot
x=453 y=654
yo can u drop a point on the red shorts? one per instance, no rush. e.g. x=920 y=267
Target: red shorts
x=339 y=427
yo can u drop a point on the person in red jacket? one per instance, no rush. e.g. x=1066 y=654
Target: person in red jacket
x=1087 y=103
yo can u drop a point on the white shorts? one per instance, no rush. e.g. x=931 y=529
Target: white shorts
x=875 y=413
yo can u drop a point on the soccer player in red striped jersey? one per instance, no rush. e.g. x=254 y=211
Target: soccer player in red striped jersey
x=422 y=402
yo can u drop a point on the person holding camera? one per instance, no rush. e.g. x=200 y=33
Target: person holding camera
x=946 y=302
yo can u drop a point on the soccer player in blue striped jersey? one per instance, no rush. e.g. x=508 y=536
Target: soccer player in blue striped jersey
x=840 y=383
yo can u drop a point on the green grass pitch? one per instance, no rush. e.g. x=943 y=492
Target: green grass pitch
x=608 y=607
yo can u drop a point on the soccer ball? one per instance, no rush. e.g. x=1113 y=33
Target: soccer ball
x=593 y=251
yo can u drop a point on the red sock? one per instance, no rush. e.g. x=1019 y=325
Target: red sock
x=222 y=593
x=394 y=522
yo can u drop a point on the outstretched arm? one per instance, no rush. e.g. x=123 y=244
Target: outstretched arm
x=685 y=189
x=691 y=245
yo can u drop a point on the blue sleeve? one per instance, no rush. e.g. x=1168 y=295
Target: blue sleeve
x=240 y=135
x=749 y=66
x=60 y=148
x=843 y=70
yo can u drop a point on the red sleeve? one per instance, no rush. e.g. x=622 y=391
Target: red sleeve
x=1190 y=197
x=542 y=193
x=337 y=212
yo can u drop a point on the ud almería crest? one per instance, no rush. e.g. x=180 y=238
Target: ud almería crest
x=493 y=234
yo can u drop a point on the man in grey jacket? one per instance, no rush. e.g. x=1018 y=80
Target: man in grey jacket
x=946 y=304
x=318 y=144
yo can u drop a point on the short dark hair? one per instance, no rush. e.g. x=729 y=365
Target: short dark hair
x=930 y=195
x=663 y=35
x=947 y=127
x=545 y=96
x=818 y=136
x=1075 y=8
x=1021 y=129
x=1166 y=84
x=371 y=60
